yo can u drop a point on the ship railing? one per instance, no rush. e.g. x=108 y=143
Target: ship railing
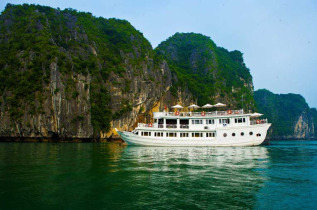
x=204 y=113
x=258 y=121
x=171 y=126
x=184 y=126
x=145 y=125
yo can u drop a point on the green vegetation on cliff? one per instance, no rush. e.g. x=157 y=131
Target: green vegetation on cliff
x=211 y=73
x=69 y=74
x=32 y=37
x=285 y=111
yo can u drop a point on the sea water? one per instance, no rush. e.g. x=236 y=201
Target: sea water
x=111 y=176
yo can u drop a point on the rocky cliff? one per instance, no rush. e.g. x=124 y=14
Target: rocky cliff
x=68 y=74
x=290 y=115
x=210 y=72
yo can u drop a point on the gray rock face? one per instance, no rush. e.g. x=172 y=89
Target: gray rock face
x=74 y=56
x=61 y=116
x=304 y=128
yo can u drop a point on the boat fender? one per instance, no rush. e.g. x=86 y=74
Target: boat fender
x=229 y=111
x=177 y=113
x=150 y=124
x=203 y=113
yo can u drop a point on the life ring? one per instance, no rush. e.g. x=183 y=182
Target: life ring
x=150 y=124
x=229 y=111
x=177 y=113
x=258 y=121
x=203 y=113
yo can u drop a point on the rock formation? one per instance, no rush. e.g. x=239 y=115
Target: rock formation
x=67 y=74
x=289 y=114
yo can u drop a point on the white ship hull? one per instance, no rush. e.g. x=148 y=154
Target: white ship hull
x=219 y=140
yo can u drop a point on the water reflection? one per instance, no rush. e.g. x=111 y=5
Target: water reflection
x=98 y=176
x=223 y=177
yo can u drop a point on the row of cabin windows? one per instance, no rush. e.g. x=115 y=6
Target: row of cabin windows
x=158 y=134
x=174 y=134
x=224 y=121
x=197 y=121
x=183 y=135
x=236 y=120
x=212 y=121
x=209 y=122
x=239 y=120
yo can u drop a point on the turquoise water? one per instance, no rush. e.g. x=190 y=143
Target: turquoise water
x=110 y=176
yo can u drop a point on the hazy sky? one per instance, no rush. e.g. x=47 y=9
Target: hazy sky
x=278 y=38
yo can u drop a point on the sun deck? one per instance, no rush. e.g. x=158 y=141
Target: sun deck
x=198 y=114
x=202 y=124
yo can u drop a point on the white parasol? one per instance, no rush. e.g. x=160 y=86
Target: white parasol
x=194 y=106
x=256 y=115
x=207 y=106
x=177 y=106
x=219 y=105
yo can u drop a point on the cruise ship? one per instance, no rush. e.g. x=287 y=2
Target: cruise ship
x=217 y=128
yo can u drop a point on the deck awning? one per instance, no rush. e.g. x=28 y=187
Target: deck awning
x=194 y=106
x=207 y=106
x=219 y=105
x=256 y=114
x=177 y=106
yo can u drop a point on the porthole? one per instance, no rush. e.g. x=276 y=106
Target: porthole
x=233 y=134
x=242 y=133
x=258 y=134
x=224 y=135
x=251 y=133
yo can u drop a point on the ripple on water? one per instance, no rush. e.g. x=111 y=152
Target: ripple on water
x=112 y=176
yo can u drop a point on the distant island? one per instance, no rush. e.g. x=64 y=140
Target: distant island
x=67 y=75
x=290 y=115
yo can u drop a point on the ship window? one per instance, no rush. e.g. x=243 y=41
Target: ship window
x=224 y=121
x=239 y=120
x=233 y=134
x=171 y=134
x=251 y=133
x=183 y=135
x=171 y=121
x=145 y=133
x=197 y=121
x=208 y=122
x=242 y=134
x=224 y=135
x=184 y=122
x=196 y=135
x=258 y=134
x=210 y=134
x=158 y=134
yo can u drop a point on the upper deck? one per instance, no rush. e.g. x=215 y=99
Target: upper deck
x=189 y=115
